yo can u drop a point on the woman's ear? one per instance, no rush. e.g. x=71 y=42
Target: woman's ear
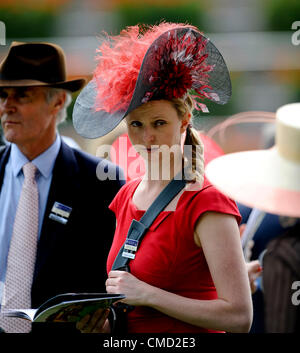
x=185 y=122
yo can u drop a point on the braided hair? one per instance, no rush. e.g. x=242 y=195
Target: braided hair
x=193 y=161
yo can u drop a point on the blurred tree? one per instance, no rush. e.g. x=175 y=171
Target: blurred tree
x=27 y=24
x=280 y=14
x=132 y=12
x=30 y=18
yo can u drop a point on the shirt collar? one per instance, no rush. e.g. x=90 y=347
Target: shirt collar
x=44 y=162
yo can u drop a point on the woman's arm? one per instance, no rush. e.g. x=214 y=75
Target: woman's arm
x=218 y=234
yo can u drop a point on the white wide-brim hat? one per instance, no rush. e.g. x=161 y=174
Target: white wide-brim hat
x=265 y=179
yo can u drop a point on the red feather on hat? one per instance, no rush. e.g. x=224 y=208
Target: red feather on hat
x=182 y=66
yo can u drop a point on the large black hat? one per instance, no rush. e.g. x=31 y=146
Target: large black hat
x=164 y=62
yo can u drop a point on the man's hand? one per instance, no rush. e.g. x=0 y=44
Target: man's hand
x=254 y=271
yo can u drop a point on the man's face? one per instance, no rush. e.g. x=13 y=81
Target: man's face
x=26 y=116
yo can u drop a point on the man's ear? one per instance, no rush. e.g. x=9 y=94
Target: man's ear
x=59 y=101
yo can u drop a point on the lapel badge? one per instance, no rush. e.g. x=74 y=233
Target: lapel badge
x=60 y=213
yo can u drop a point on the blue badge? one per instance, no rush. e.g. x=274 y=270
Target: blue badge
x=60 y=212
x=130 y=247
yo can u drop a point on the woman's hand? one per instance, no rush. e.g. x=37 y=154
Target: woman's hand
x=122 y=282
x=96 y=323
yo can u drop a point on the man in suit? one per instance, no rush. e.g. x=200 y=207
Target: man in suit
x=75 y=226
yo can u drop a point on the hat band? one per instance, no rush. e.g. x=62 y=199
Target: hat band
x=33 y=77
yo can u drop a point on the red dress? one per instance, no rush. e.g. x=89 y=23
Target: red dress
x=167 y=256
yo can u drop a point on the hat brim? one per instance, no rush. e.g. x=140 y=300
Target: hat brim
x=89 y=122
x=92 y=123
x=258 y=179
x=71 y=85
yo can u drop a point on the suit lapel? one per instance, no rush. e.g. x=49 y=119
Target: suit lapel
x=65 y=181
x=4 y=154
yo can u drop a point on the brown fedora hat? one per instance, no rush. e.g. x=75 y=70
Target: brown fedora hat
x=36 y=64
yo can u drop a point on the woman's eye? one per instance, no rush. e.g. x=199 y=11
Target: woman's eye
x=159 y=122
x=136 y=123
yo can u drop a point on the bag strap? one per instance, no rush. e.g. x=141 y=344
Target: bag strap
x=138 y=228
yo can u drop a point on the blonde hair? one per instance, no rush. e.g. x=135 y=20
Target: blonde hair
x=193 y=163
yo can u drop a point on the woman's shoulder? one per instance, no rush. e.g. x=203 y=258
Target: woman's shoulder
x=200 y=190
x=207 y=198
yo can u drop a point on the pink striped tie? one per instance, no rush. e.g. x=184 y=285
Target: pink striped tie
x=22 y=254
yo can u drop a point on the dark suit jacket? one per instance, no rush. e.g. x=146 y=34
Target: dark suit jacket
x=72 y=257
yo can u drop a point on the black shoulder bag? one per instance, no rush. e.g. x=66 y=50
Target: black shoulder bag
x=135 y=234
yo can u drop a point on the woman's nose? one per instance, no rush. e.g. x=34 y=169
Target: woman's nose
x=148 y=135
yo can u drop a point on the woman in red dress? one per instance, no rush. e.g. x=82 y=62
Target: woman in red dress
x=188 y=274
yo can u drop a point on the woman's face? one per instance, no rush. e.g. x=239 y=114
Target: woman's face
x=155 y=124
